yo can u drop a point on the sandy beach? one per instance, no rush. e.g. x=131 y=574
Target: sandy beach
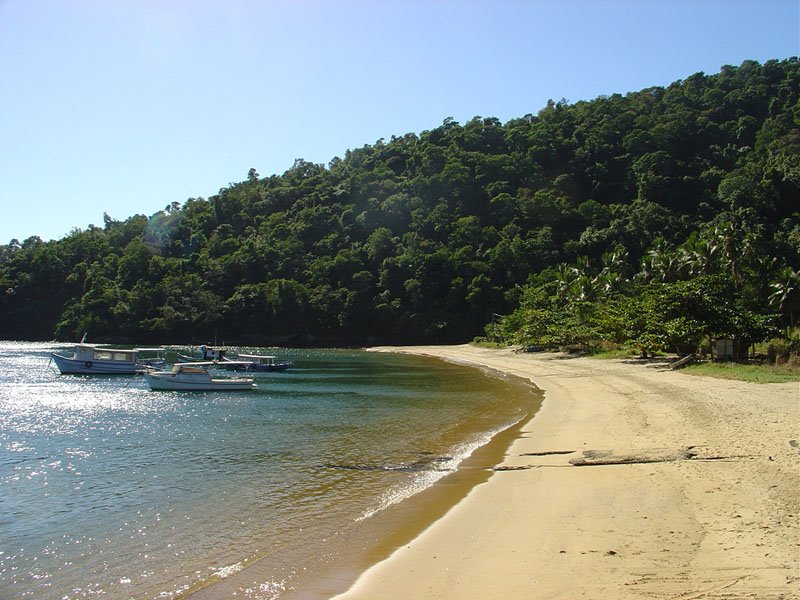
x=632 y=481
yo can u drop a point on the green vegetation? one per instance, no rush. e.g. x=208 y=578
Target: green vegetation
x=658 y=219
x=753 y=373
x=624 y=352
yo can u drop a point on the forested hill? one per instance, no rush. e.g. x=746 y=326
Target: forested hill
x=430 y=237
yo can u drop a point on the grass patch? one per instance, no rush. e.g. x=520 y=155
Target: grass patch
x=753 y=373
x=616 y=353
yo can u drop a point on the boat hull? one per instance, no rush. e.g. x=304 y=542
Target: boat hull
x=165 y=381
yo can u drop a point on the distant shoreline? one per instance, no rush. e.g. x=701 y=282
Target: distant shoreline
x=690 y=484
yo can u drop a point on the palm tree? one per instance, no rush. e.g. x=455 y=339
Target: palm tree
x=785 y=294
x=563 y=277
x=696 y=257
x=660 y=263
x=734 y=238
x=613 y=275
x=582 y=285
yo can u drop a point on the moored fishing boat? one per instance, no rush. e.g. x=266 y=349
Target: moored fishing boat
x=195 y=377
x=257 y=362
x=205 y=353
x=88 y=359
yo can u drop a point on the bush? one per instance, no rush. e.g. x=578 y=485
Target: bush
x=785 y=349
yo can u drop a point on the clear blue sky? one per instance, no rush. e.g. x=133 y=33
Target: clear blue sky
x=125 y=106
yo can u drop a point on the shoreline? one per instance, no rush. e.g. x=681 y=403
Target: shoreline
x=695 y=491
x=399 y=523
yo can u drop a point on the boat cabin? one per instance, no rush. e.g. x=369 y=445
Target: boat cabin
x=258 y=359
x=93 y=353
x=212 y=352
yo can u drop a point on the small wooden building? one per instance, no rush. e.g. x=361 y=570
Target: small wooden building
x=723 y=349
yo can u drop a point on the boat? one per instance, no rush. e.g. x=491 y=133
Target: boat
x=205 y=353
x=243 y=362
x=195 y=376
x=257 y=362
x=89 y=359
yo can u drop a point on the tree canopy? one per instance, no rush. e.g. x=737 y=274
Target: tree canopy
x=659 y=217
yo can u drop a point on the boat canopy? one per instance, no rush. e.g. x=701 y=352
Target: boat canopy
x=90 y=353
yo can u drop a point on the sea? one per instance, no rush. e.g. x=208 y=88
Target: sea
x=111 y=490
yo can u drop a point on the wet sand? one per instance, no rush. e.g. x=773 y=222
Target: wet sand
x=632 y=481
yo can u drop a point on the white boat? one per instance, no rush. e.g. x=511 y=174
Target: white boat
x=205 y=353
x=88 y=359
x=195 y=376
x=257 y=362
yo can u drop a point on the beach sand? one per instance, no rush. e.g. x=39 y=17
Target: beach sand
x=695 y=494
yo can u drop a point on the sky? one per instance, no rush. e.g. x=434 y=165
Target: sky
x=126 y=106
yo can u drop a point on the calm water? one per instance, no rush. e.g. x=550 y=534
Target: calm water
x=108 y=489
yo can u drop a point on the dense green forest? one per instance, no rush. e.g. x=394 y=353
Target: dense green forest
x=660 y=218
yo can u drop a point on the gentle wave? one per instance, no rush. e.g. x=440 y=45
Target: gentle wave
x=430 y=477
